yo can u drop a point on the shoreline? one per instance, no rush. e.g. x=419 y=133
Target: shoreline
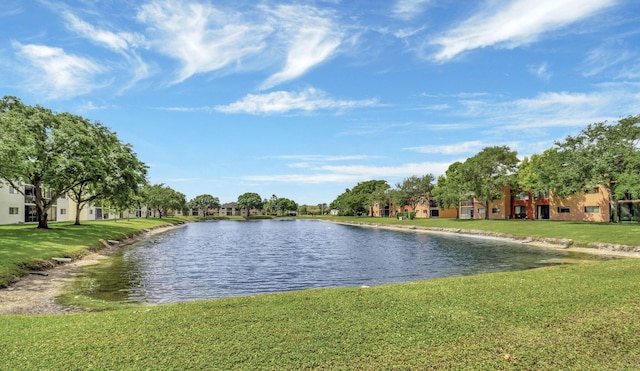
x=562 y=244
x=36 y=293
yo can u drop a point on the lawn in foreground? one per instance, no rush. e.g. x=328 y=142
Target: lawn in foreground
x=24 y=247
x=569 y=317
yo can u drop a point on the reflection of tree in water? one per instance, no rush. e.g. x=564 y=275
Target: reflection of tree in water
x=114 y=280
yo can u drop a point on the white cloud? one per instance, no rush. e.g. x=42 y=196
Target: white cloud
x=408 y=9
x=311 y=37
x=56 y=73
x=541 y=71
x=201 y=37
x=116 y=41
x=355 y=173
x=518 y=23
x=556 y=109
x=604 y=58
x=450 y=149
x=123 y=43
x=284 y=101
x=324 y=158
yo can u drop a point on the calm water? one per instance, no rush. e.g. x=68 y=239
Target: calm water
x=230 y=258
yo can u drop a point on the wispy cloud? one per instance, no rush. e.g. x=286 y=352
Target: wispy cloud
x=541 y=71
x=200 y=36
x=555 y=109
x=605 y=57
x=324 y=158
x=11 y=8
x=116 y=41
x=311 y=38
x=408 y=9
x=123 y=43
x=450 y=149
x=354 y=173
x=283 y=101
x=518 y=23
x=55 y=73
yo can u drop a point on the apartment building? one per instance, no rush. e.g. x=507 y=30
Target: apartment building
x=592 y=205
x=16 y=208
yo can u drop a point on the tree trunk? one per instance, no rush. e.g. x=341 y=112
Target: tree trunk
x=532 y=201
x=41 y=208
x=42 y=221
x=486 y=210
x=78 y=210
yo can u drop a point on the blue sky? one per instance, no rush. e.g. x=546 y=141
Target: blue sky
x=303 y=99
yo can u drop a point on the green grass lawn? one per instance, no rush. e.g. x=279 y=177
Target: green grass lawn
x=580 y=232
x=563 y=317
x=24 y=247
x=574 y=316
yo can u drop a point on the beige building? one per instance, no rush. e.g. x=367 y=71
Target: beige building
x=16 y=208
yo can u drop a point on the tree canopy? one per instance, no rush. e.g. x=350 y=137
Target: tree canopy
x=248 y=201
x=414 y=189
x=450 y=189
x=161 y=198
x=359 y=199
x=603 y=154
x=113 y=176
x=59 y=153
x=204 y=202
x=488 y=172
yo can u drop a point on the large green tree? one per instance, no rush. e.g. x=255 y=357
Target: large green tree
x=358 y=200
x=414 y=189
x=248 y=201
x=488 y=172
x=535 y=175
x=162 y=199
x=603 y=154
x=51 y=152
x=204 y=202
x=112 y=175
x=451 y=190
x=285 y=205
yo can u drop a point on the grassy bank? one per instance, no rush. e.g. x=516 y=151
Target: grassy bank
x=581 y=233
x=567 y=317
x=24 y=248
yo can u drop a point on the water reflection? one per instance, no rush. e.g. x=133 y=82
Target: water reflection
x=229 y=258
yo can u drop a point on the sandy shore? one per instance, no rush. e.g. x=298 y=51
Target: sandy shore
x=36 y=293
x=549 y=243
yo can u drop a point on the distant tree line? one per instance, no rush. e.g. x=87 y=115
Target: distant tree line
x=603 y=154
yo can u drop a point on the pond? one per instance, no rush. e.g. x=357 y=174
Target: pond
x=232 y=258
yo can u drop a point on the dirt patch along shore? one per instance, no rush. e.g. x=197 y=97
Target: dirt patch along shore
x=36 y=293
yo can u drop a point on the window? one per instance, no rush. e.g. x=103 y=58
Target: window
x=542 y=195
x=13 y=211
x=12 y=190
x=564 y=209
x=63 y=211
x=480 y=210
x=592 y=209
x=495 y=210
